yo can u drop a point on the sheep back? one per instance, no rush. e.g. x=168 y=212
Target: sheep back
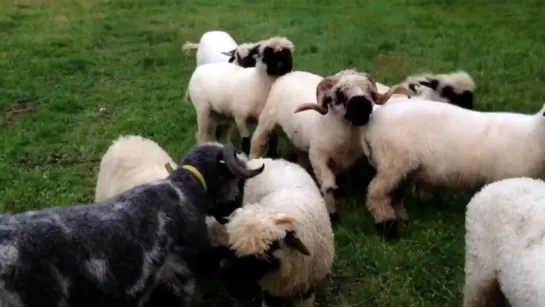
x=505 y=239
x=130 y=160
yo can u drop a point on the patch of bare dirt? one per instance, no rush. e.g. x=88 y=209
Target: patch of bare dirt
x=396 y=63
x=20 y=108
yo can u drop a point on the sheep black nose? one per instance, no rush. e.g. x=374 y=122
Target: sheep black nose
x=358 y=110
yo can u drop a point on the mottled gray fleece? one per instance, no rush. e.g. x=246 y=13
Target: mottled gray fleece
x=116 y=253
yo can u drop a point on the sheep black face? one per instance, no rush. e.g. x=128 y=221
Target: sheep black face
x=276 y=55
x=244 y=55
x=220 y=170
x=257 y=240
x=455 y=88
x=349 y=96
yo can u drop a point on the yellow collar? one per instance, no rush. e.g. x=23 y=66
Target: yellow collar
x=191 y=169
x=197 y=174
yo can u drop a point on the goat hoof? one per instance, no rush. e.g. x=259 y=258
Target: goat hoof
x=335 y=218
x=389 y=229
x=246 y=145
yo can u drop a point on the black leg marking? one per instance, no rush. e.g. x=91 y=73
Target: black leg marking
x=246 y=145
x=273 y=146
x=388 y=229
x=273 y=301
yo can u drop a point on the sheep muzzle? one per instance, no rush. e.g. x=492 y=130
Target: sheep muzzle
x=237 y=167
x=358 y=110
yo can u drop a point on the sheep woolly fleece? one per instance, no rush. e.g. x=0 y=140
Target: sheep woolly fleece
x=225 y=92
x=130 y=160
x=210 y=47
x=437 y=144
x=505 y=244
x=282 y=198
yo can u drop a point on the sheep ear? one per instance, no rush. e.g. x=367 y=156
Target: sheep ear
x=431 y=83
x=397 y=89
x=292 y=240
x=229 y=53
x=323 y=87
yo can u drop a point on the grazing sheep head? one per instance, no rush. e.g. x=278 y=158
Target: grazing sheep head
x=259 y=240
x=275 y=55
x=220 y=170
x=456 y=88
x=243 y=55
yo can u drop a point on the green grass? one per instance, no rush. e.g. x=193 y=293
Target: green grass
x=82 y=72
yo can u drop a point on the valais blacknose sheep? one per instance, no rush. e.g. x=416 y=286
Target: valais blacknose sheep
x=456 y=88
x=435 y=144
x=119 y=251
x=282 y=236
x=130 y=160
x=505 y=245
x=330 y=137
x=219 y=46
x=223 y=92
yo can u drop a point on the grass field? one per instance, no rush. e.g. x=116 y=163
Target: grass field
x=76 y=74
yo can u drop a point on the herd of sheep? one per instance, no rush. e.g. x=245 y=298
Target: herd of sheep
x=157 y=225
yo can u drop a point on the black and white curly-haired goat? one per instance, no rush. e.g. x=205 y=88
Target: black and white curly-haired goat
x=120 y=251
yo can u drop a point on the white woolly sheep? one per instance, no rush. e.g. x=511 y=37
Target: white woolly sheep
x=119 y=252
x=329 y=139
x=282 y=236
x=130 y=160
x=219 y=46
x=223 y=92
x=504 y=245
x=436 y=144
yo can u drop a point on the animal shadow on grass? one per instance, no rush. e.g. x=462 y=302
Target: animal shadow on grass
x=23 y=106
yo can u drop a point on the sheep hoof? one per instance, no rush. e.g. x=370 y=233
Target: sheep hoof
x=335 y=217
x=389 y=229
x=246 y=145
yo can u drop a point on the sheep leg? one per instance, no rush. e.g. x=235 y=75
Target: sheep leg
x=379 y=203
x=397 y=203
x=242 y=126
x=262 y=136
x=326 y=179
x=483 y=293
x=205 y=126
x=481 y=288
x=223 y=133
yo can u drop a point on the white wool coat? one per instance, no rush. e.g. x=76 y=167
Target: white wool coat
x=130 y=161
x=505 y=242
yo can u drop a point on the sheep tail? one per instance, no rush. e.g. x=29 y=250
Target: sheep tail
x=188 y=46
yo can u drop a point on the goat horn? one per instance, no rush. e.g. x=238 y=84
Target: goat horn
x=311 y=106
x=237 y=167
x=397 y=89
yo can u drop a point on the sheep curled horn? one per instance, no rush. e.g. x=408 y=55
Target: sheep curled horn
x=236 y=166
x=329 y=82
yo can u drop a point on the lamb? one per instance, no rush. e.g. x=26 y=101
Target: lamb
x=223 y=92
x=331 y=139
x=115 y=252
x=440 y=145
x=505 y=250
x=219 y=46
x=282 y=236
x=130 y=160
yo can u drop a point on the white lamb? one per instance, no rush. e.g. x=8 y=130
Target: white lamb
x=282 y=236
x=505 y=245
x=219 y=46
x=130 y=160
x=436 y=144
x=223 y=92
x=329 y=139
